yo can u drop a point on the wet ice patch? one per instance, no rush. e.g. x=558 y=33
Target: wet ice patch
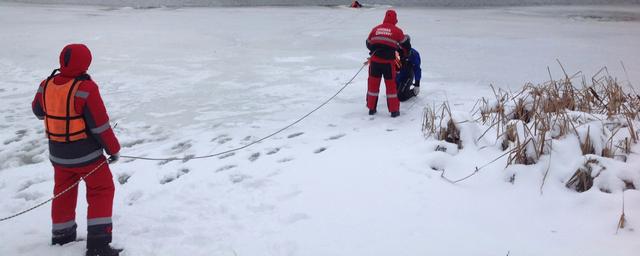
x=605 y=16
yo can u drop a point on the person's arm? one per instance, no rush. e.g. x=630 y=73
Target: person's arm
x=368 y=42
x=36 y=105
x=417 y=71
x=92 y=107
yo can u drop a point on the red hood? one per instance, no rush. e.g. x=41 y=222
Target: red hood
x=74 y=60
x=390 y=17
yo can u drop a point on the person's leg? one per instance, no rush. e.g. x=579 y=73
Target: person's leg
x=389 y=74
x=100 y=192
x=373 y=85
x=63 y=208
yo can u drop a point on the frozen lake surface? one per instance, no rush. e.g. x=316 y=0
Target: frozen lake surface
x=195 y=81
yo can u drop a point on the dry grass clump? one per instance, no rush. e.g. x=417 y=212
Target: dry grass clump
x=582 y=179
x=597 y=111
x=432 y=125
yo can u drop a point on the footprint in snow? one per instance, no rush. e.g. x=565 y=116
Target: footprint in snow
x=163 y=162
x=320 y=150
x=254 y=156
x=220 y=138
x=295 y=135
x=227 y=155
x=175 y=176
x=224 y=140
x=335 y=137
x=273 y=151
x=123 y=178
x=237 y=178
x=128 y=144
x=19 y=135
x=286 y=159
x=29 y=196
x=181 y=147
x=226 y=167
x=30 y=183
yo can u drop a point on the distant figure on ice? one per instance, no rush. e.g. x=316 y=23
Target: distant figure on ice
x=409 y=71
x=78 y=129
x=383 y=42
x=356 y=4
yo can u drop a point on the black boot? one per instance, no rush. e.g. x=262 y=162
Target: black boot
x=64 y=236
x=372 y=111
x=395 y=114
x=103 y=251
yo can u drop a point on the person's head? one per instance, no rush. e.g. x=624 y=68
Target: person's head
x=74 y=60
x=406 y=42
x=390 y=17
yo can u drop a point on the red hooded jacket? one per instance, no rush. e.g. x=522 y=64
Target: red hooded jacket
x=386 y=38
x=74 y=63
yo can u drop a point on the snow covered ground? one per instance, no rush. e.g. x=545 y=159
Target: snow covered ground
x=198 y=81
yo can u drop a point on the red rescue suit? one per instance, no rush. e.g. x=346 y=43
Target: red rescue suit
x=383 y=42
x=78 y=129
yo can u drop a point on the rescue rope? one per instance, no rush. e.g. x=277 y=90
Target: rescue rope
x=257 y=141
x=189 y=158
x=56 y=195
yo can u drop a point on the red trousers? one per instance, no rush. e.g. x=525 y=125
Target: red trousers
x=378 y=70
x=100 y=192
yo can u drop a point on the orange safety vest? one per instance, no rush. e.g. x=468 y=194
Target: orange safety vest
x=61 y=121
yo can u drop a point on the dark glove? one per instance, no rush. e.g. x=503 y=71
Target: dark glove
x=417 y=83
x=113 y=158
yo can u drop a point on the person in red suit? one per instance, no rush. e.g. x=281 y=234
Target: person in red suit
x=77 y=127
x=383 y=43
x=356 y=4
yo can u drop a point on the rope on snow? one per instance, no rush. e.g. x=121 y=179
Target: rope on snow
x=189 y=158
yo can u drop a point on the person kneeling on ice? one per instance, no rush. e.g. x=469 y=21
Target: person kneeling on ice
x=77 y=126
x=409 y=71
x=383 y=43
